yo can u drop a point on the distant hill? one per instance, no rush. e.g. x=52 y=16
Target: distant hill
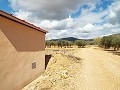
x=68 y=38
x=72 y=39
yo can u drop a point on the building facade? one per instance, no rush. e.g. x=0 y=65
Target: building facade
x=22 y=52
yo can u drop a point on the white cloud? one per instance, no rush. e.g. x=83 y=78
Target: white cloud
x=114 y=13
x=116 y=30
x=56 y=25
x=23 y=15
x=48 y=9
x=88 y=28
x=73 y=23
x=54 y=16
x=110 y=26
x=82 y=27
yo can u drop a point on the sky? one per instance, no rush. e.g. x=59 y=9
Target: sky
x=83 y=19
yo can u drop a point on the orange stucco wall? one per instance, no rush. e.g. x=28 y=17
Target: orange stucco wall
x=20 y=46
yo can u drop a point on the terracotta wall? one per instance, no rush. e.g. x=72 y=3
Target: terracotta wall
x=22 y=37
x=20 y=46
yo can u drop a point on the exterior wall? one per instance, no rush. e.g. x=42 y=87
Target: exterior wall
x=20 y=46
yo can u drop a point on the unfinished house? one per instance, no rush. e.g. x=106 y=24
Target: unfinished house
x=22 y=52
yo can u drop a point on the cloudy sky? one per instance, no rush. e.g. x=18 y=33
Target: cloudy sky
x=68 y=18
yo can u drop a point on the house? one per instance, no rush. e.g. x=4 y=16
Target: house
x=22 y=52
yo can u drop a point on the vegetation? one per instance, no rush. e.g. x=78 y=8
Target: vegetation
x=110 y=41
x=59 y=43
x=65 y=43
x=104 y=42
x=51 y=43
x=97 y=41
x=80 y=43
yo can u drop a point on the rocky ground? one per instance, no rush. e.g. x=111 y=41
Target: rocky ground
x=80 y=69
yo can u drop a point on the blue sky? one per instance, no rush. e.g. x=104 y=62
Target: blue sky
x=66 y=18
x=5 y=6
x=103 y=5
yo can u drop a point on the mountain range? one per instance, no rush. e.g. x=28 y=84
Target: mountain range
x=72 y=39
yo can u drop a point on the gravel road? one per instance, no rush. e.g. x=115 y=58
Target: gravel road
x=95 y=70
x=100 y=70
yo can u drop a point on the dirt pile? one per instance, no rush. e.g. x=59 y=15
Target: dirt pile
x=60 y=74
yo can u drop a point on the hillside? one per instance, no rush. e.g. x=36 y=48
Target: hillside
x=72 y=39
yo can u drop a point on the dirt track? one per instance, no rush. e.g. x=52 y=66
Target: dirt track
x=100 y=70
x=97 y=70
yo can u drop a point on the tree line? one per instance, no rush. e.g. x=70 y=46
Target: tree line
x=104 y=42
x=110 y=41
x=65 y=43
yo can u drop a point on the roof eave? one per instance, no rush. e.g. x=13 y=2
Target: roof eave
x=10 y=16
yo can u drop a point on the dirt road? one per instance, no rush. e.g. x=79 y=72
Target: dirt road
x=97 y=70
x=100 y=70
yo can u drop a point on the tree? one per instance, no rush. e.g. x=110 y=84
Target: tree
x=116 y=43
x=68 y=43
x=106 y=42
x=48 y=43
x=59 y=43
x=97 y=41
x=53 y=43
x=64 y=43
x=80 y=43
x=110 y=41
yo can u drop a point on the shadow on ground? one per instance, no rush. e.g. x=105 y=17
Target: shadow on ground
x=114 y=52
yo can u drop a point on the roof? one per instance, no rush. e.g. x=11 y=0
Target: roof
x=10 y=16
